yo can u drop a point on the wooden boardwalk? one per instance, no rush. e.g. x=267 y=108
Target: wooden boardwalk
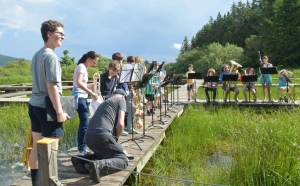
x=68 y=176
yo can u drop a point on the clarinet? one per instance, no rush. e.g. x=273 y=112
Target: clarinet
x=261 y=66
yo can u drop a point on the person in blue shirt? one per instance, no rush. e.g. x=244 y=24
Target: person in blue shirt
x=283 y=77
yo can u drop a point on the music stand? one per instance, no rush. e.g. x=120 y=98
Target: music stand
x=195 y=76
x=152 y=122
x=152 y=65
x=165 y=83
x=230 y=77
x=211 y=79
x=248 y=79
x=268 y=70
x=131 y=73
x=177 y=81
x=170 y=80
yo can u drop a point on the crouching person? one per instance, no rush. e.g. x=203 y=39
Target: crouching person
x=102 y=136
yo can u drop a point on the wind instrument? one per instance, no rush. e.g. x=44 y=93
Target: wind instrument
x=233 y=68
x=96 y=85
x=261 y=64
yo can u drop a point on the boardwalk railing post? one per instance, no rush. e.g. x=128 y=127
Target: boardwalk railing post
x=47 y=158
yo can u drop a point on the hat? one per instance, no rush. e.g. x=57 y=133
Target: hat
x=120 y=91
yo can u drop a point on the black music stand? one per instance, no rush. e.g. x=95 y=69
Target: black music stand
x=195 y=76
x=131 y=73
x=159 y=92
x=165 y=83
x=230 y=77
x=177 y=81
x=248 y=79
x=152 y=65
x=268 y=70
x=211 y=79
x=142 y=84
x=170 y=79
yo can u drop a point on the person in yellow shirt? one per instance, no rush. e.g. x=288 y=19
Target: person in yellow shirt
x=191 y=86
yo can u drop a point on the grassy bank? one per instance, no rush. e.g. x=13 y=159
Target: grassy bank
x=229 y=146
x=13 y=130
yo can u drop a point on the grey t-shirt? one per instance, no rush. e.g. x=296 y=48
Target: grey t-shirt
x=106 y=115
x=44 y=68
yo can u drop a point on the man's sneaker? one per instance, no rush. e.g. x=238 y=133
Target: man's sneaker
x=95 y=169
x=84 y=152
x=124 y=133
x=132 y=130
x=79 y=165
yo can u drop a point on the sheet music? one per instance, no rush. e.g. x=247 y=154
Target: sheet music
x=126 y=73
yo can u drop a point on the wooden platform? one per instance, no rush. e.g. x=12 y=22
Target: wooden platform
x=68 y=176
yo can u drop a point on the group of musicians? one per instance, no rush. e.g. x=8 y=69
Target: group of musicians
x=248 y=83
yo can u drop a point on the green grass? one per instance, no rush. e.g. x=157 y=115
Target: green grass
x=255 y=147
x=13 y=130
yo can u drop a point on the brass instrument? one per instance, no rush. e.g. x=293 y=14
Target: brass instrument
x=234 y=67
x=96 y=85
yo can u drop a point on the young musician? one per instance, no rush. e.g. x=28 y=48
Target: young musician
x=211 y=86
x=226 y=86
x=249 y=85
x=191 y=84
x=283 y=78
x=266 y=80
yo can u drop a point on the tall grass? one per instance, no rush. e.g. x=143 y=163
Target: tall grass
x=14 y=125
x=230 y=146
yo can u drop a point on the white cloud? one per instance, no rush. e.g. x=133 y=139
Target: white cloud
x=176 y=46
x=39 y=1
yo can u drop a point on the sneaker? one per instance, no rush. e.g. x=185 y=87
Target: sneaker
x=188 y=100
x=129 y=156
x=132 y=130
x=84 y=152
x=207 y=101
x=95 y=169
x=124 y=133
x=225 y=100
x=79 y=165
x=151 y=111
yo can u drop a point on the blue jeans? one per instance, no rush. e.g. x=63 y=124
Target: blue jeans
x=84 y=121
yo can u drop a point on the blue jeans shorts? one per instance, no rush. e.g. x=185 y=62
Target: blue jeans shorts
x=39 y=123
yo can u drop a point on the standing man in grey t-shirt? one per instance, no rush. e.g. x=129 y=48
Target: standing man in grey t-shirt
x=102 y=136
x=46 y=81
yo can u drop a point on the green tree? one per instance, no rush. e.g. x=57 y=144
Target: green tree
x=186 y=45
x=67 y=60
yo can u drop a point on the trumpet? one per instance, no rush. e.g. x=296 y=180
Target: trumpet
x=96 y=85
x=234 y=67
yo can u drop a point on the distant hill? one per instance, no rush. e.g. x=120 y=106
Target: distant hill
x=6 y=59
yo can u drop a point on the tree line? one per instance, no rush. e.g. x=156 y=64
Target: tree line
x=269 y=26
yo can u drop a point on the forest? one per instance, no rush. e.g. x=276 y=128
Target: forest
x=269 y=26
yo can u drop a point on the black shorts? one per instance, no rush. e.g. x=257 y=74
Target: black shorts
x=149 y=97
x=39 y=123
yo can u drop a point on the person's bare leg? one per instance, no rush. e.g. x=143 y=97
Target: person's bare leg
x=264 y=92
x=33 y=160
x=269 y=93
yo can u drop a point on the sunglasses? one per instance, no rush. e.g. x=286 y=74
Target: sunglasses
x=60 y=33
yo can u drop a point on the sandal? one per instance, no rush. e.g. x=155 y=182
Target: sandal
x=264 y=101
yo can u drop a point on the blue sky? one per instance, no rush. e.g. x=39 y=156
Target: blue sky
x=151 y=29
